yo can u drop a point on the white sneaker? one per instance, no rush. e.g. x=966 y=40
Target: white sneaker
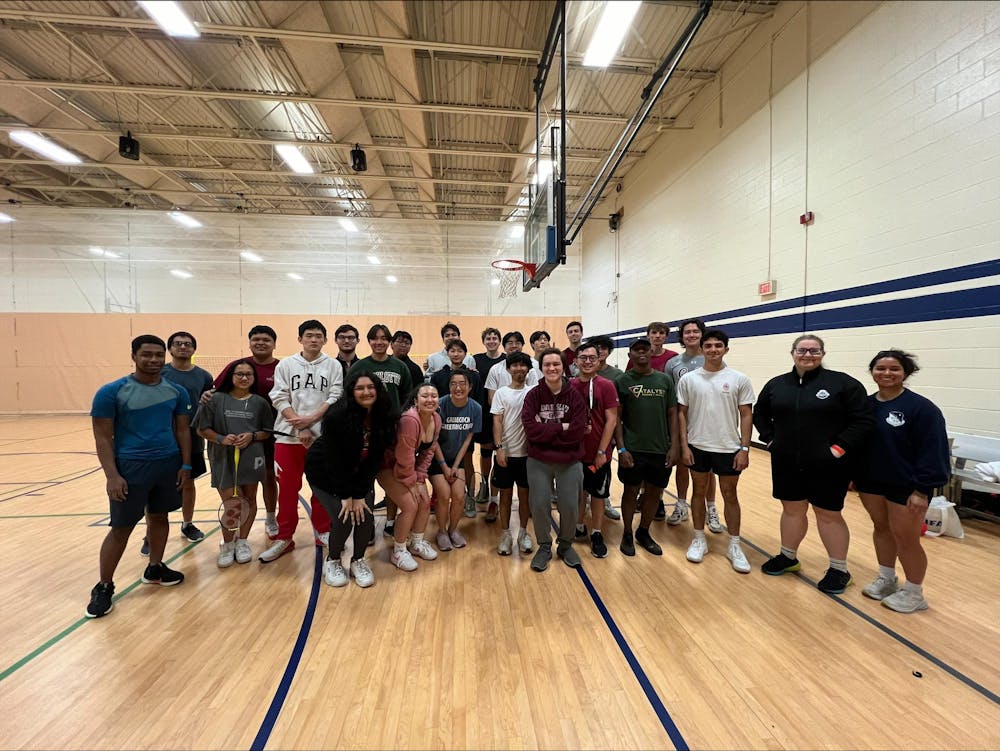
x=524 y=543
x=324 y=538
x=881 y=588
x=678 y=515
x=334 y=574
x=278 y=548
x=243 y=552
x=423 y=549
x=506 y=545
x=714 y=525
x=736 y=556
x=271 y=528
x=610 y=511
x=362 y=574
x=402 y=560
x=905 y=601
x=697 y=550
x=227 y=554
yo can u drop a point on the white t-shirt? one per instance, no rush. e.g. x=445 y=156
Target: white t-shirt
x=438 y=360
x=500 y=376
x=508 y=402
x=713 y=401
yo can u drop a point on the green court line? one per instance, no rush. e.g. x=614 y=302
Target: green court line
x=73 y=627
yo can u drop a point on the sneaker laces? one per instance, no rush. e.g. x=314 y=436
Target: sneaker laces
x=362 y=566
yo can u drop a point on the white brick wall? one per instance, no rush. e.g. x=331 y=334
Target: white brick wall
x=891 y=136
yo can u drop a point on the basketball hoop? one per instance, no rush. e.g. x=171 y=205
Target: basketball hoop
x=508 y=279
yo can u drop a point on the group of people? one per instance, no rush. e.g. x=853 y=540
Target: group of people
x=548 y=424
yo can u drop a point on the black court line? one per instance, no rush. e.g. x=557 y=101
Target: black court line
x=633 y=662
x=34 y=491
x=916 y=648
x=281 y=694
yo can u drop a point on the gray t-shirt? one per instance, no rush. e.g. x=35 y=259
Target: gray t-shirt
x=683 y=363
x=226 y=414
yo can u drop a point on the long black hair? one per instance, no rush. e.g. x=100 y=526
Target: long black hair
x=346 y=415
x=226 y=384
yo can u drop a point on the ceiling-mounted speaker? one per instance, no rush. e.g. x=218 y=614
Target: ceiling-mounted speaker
x=128 y=147
x=359 y=162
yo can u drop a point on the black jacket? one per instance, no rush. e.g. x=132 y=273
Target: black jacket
x=802 y=417
x=334 y=463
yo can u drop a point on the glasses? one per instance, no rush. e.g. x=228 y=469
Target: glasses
x=346 y=337
x=242 y=375
x=810 y=351
x=182 y=344
x=587 y=358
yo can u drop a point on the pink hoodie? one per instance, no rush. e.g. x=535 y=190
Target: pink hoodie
x=409 y=467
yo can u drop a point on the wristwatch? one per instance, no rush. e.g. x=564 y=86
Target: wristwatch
x=744 y=448
x=497 y=446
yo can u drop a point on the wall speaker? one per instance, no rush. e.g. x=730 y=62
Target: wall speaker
x=128 y=147
x=359 y=163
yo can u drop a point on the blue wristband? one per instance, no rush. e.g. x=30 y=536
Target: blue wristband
x=188 y=467
x=622 y=450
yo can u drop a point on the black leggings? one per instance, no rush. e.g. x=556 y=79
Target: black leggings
x=339 y=530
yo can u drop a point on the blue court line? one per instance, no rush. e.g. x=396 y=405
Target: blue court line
x=633 y=662
x=977 y=687
x=274 y=710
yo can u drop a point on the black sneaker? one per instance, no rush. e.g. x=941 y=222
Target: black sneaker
x=646 y=542
x=100 y=600
x=581 y=531
x=144 y=550
x=390 y=529
x=627 y=546
x=160 y=574
x=834 y=582
x=597 y=547
x=379 y=505
x=661 y=513
x=780 y=564
x=192 y=533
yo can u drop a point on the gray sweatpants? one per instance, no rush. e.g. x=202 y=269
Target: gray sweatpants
x=569 y=483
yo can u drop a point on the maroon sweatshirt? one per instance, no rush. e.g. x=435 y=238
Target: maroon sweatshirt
x=544 y=413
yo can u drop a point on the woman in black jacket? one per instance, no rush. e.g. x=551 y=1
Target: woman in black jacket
x=814 y=421
x=341 y=466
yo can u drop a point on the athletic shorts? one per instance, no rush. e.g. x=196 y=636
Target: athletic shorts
x=484 y=438
x=152 y=486
x=435 y=468
x=516 y=472
x=716 y=463
x=892 y=493
x=647 y=468
x=269 y=455
x=198 y=467
x=597 y=484
x=823 y=485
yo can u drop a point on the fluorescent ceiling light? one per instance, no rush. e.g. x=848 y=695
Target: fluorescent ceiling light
x=103 y=253
x=391 y=279
x=45 y=147
x=610 y=32
x=181 y=218
x=97 y=251
x=249 y=255
x=5 y=218
x=373 y=260
x=180 y=274
x=294 y=159
x=517 y=232
x=348 y=225
x=169 y=17
x=293 y=275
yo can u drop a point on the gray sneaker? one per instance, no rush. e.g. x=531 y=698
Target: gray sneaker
x=506 y=545
x=569 y=556
x=713 y=522
x=880 y=588
x=610 y=511
x=524 y=543
x=679 y=514
x=541 y=560
x=470 y=506
x=905 y=601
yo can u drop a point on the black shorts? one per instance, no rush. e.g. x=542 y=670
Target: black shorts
x=198 y=467
x=892 y=493
x=824 y=485
x=484 y=438
x=152 y=486
x=717 y=464
x=647 y=468
x=269 y=455
x=516 y=472
x=435 y=468
x=597 y=484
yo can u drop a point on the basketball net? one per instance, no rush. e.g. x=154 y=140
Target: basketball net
x=508 y=271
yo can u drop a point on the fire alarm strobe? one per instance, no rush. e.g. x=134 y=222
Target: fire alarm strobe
x=806 y=218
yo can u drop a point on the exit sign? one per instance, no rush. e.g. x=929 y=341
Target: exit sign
x=767 y=288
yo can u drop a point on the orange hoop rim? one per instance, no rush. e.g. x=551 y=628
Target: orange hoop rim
x=512 y=264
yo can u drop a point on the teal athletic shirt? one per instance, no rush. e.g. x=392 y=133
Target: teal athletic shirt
x=143 y=416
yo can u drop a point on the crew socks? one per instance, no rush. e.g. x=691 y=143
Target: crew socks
x=915 y=588
x=734 y=539
x=887 y=572
x=399 y=547
x=838 y=565
x=789 y=553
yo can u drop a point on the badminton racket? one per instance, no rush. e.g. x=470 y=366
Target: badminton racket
x=234 y=511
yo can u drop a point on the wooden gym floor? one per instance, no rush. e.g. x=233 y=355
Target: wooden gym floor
x=473 y=650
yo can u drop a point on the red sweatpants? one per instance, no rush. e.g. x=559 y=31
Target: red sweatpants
x=289 y=464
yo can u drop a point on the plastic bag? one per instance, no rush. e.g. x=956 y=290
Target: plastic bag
x=942 y=519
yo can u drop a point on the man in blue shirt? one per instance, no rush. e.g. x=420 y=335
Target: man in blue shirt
x=142 y=432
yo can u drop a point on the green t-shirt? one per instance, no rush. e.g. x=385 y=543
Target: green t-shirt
x=610 y=372
x=393 y=373
x=645 y=401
